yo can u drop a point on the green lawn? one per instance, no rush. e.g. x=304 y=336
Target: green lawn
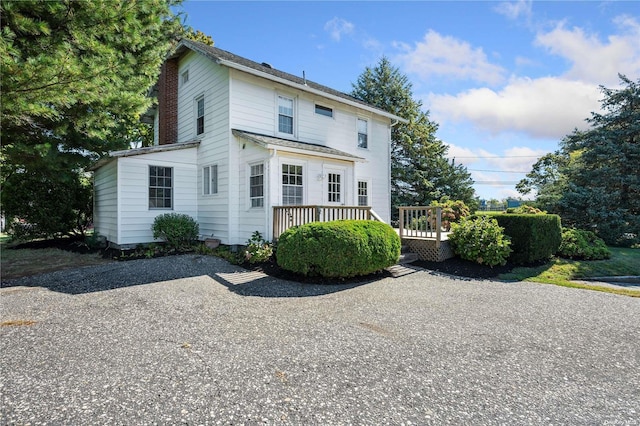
x=563 y=272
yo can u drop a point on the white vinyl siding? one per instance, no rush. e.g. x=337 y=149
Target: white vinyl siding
x=105 y=201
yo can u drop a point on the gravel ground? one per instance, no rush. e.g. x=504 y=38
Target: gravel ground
x=194 y=340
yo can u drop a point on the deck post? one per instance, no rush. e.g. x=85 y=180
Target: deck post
x=438 y=226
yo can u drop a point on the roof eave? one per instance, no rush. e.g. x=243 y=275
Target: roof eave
x=306 y=88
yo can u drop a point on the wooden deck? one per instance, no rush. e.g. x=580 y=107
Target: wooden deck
x=419 y=227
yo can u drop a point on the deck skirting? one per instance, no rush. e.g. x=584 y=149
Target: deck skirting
x=427 y=249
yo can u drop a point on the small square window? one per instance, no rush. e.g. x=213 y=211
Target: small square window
x=323 y=110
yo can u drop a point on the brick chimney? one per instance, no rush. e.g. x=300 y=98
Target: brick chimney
x=168 y=103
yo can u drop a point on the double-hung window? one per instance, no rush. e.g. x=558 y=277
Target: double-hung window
x=292 y=188
x=256 y=185
x=363 y=141
x=200 y=115
x=285 y=115
x=210 y=180
x=363 y=193
x=160 y=187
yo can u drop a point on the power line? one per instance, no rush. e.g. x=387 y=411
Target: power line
x=498 y=156
x=496 y=171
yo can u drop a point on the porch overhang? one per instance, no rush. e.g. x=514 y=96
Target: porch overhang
x=296 y=147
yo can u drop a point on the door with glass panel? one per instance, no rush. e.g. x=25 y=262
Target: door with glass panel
x=334 y=186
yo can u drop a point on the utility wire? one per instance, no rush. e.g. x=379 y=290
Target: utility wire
x=496 y=171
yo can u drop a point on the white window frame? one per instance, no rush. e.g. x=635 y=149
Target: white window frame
x=289 y=164
x=156 y=186
x=293 y=115
x=328 y=110
x=366 y=134
x=184 y=77
x=256 y=202
x=197 y=114
x=367 y=184
x=210 y=179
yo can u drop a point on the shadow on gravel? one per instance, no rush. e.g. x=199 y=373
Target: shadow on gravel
x=238 y=280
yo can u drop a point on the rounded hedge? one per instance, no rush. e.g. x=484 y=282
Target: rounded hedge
x=582 y=244
x=177 y=229
x=344 y=248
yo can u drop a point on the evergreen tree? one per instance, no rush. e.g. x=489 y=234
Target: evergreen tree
x=603 y=191
x=593 y=180
x=420 y=171
x=75 y=78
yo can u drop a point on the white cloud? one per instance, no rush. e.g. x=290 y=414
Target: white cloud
x=337 y=27
x=545 y=108
x=516 y=9
x=592 y=59
x=447 y=56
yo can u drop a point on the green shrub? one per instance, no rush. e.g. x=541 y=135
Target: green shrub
x=525 y=209
x=258 y=250
x=344 y=248
x=534 y=237
x=178 y=230
x=480 y=240
x=581 y=244
x=452 y=211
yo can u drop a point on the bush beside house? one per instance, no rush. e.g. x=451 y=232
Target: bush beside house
x=344 y=248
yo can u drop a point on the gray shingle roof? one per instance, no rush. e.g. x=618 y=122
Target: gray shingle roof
x=266 y=141
x=220 y=55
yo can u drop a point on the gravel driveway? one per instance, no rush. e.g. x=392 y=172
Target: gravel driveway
x=194 y=340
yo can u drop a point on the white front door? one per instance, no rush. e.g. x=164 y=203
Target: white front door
x=334 y=186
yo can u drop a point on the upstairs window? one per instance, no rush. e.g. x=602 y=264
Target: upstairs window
x=256 y=185
x=185 y=77
x=285 y=115
x=200 y=115
x=292 y=188
x=210 y=180
x=363 y=137
x=322 y=110
x=160 y=187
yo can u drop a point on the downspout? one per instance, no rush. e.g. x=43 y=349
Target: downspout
x=269 y=216
x=393 y=123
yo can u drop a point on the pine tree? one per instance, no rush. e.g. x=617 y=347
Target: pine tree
x=75 y=78
x=420 y=171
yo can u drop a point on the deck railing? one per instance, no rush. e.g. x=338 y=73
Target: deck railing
x=284 y=217
x=420 y=222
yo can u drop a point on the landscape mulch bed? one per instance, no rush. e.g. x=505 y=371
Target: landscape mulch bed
x=455 y=266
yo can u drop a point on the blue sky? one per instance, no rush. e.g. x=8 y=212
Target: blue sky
x=505 y=81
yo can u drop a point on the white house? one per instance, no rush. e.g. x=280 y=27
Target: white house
x=233 y=139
